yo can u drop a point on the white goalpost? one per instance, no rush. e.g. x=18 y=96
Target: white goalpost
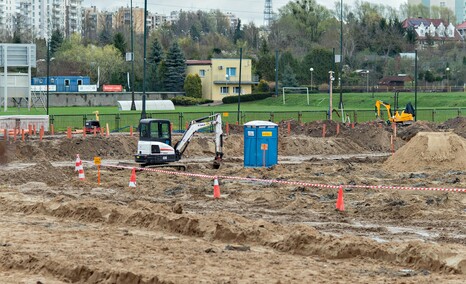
x=295 y=88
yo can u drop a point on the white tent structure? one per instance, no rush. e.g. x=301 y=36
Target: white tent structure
x=150 y=105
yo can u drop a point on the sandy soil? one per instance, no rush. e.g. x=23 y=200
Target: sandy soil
x=58 y=229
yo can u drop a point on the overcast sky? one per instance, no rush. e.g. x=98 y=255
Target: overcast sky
x=246 y=10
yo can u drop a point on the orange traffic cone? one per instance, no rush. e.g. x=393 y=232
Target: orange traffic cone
x=340 y=203
x=216 y=188
x=79 y=167
x=132 y=180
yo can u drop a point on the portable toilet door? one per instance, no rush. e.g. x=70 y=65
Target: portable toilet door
x=260 y=144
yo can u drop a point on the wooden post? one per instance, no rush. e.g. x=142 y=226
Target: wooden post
x=22 y=135
x=227 y=128
x=289 y=128
x=84 y=132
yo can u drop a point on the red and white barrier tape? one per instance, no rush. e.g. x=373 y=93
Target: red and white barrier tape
x=318 y=185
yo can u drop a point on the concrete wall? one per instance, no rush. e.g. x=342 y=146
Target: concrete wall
x=92 y=99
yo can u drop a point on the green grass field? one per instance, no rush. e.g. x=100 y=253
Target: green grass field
x=352 y=101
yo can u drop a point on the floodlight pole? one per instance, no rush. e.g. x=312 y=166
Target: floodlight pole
x=143 y=113
x=415 y=85
x=239 y=90
x=48 y=74
x=133 y=105
x=341 y=57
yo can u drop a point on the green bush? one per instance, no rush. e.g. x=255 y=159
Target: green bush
x=189 y=101
x=246 y=98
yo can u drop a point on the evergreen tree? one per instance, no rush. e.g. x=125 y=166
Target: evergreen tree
x=289 y=77
x=154 y=59
x=120 y=43
x=56 y=41
x=238 y=33
x=193 y=86
x=176 y=68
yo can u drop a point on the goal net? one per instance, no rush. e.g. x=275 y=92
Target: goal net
x=295 y=90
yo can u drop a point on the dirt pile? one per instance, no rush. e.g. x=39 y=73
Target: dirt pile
x=430 y=151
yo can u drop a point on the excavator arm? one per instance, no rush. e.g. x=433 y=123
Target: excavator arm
x=198 y=124
x=378 y=104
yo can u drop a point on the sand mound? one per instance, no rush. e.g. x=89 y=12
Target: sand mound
x=430 y=150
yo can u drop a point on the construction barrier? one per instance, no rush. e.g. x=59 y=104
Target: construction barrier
x=299 y=183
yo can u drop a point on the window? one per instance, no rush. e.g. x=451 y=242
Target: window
x=202 y=73
x=67 y=83
x=236 y=90
x=80 y=82
x=224 y=90
x=231 y=71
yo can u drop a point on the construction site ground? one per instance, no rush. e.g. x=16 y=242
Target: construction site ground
x=56 y=228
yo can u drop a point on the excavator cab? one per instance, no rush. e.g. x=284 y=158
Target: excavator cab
x=155 y=130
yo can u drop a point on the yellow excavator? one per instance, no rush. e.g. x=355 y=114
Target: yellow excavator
x=406 y=117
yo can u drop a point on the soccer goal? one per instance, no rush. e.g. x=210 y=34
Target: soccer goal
x=295 y=88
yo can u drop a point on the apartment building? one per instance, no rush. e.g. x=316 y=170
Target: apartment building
x=457 y=6
x=8 y=10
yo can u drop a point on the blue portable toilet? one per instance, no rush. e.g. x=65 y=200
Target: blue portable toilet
x=260 y=144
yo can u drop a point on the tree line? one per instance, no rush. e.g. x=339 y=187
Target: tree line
x=304 y=35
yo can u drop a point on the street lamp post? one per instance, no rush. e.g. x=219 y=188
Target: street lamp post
x=367 y=83
x=331 y=78
x=312 y=71
x=447 y=71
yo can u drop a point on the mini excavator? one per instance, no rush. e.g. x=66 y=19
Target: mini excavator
x=155 y=141
x=406 y=117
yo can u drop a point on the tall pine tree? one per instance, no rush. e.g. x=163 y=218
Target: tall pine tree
x=55 y=41
x=176 y=68
x=154 y=59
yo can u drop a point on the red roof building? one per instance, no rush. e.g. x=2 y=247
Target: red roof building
x=435 y=30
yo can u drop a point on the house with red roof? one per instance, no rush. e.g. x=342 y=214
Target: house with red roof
x=432 y=31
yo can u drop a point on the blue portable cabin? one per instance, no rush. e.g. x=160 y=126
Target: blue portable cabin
x=63 y=83
x=260 y=144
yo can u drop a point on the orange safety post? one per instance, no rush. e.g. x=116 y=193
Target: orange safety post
x=52 y=129
x=338 y=128
x=227 y=128
x=34 y=129
x=84 y=132
x=352 y=124
x=95 y=131
x=68 y=133
x=131 y=131
x=30 y=129
x=41 y=133
x=14 y=135
x=186 y=126
x=289 y=128
x=324 y=129
x=22 y=135
x=5 y=134
x=107 y=130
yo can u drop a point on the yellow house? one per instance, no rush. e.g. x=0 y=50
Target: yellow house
x=220 y=76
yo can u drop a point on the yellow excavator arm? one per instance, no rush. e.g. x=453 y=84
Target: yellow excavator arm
x=378 y=104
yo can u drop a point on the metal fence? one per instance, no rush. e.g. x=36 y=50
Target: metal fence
x=121 y=122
